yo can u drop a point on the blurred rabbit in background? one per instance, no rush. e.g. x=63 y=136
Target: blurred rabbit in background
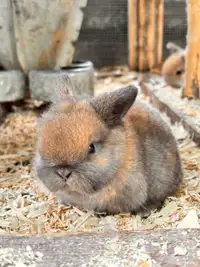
x=173 y=69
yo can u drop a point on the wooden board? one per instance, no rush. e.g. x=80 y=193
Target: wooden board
x=166 y=99
x=163 y=248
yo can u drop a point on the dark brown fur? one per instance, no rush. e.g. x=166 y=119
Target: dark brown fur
x=136 y=164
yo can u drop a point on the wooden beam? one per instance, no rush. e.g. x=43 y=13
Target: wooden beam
x=145 y=34
x=159 y=248
x=192 y=88
x=161 y=98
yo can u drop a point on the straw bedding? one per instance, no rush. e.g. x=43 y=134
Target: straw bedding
x=26 y=209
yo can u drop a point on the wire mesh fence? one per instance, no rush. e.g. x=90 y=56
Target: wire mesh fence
x=104 y=35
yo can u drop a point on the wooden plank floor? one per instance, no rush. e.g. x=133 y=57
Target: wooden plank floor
x=164 y=248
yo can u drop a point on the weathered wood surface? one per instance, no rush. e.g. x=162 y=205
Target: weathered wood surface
x=46 y=31
x=163 y=248
x=145 y=31
x=192 y=88
x=8 y=54
x=158 y=97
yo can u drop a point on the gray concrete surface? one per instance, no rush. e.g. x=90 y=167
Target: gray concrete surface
x=12 y=85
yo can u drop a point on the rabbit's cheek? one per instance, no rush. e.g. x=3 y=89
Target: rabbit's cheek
x=174 y=80
x=81 y=184
x=53 y=183
x=100 y=161
x=50 y=179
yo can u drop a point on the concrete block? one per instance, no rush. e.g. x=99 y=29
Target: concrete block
x=12 y=85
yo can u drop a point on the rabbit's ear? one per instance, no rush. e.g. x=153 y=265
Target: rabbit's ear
x=62 y=88
x=112 y=107
x=173 y=48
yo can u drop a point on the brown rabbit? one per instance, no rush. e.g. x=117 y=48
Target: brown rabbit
x=173 y=69
x=109 y=154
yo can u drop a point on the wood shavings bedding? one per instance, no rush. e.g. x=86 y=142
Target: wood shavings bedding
x=26 y=209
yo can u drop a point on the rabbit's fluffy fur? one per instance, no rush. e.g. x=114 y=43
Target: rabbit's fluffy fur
x=109 y=154
x=173 y=69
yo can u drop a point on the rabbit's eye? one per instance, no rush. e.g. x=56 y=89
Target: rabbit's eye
x=179 y=72
x=92 y=148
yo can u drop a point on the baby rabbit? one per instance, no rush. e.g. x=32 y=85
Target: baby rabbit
x=173 y=69
x=109 y=154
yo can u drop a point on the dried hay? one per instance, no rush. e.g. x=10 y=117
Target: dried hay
x=25 y=209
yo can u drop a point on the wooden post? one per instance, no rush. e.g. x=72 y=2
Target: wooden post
x=145 y=33
x=192 y=88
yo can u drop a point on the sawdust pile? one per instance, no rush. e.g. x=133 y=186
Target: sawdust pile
x=25 y=209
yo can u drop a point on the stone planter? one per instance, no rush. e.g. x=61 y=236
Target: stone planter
x=81 y=75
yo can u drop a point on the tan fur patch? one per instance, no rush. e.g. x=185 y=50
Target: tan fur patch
x=171 y=158
x=172 y=64
x=139 y=118
x=100 y=161
x=66 y=106
x=111 y=191
x=66 y=138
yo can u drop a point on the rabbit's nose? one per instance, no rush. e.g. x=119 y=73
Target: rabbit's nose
x=64 y=173
x=68 y=174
